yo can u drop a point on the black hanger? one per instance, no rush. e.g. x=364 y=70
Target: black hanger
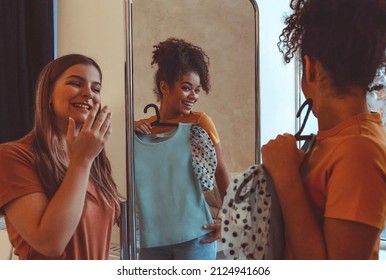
x=157 y=121
x=298 y=135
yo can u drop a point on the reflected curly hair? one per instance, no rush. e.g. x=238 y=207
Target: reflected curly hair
x=348 y=37
x=174 y=58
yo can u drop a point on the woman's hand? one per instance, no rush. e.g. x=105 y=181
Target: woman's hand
x=92 y=138
x=215 y=232
x=142 y=126
x=281 y=157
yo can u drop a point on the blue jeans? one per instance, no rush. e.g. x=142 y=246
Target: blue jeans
x=190 y=250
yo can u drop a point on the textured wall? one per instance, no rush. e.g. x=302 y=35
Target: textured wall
x=225 y=29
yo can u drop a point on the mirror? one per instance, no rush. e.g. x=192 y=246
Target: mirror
x=227 y=31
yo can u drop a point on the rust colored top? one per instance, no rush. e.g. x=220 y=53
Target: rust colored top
x=18 y=177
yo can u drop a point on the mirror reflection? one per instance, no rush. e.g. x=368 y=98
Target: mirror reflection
x=226 y=31
x=223 y=33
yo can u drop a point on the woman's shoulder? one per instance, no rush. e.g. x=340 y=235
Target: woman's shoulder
x=150 y=119
x=200 y=117
x=17 y=149
x=360 y=150
x=199 y=114
x=206 y=122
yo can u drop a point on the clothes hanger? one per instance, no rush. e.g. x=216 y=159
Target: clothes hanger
x=298 y=135
x=157 y=121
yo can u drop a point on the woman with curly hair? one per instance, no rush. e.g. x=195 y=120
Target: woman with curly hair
x=56 y=188
x=334 y=197
x=183 y=72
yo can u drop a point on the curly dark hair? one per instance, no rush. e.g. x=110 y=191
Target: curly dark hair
x=174 y=58
x=348 y=37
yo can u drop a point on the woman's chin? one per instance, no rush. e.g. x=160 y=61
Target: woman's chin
x=186 y=111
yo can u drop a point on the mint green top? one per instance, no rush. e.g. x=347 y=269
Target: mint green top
x=171 y=206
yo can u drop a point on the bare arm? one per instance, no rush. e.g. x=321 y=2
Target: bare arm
x=348 y=240
x=222 y=181
x=305 y=236
x=222 y=174
x=335 y=239
x=48 y=225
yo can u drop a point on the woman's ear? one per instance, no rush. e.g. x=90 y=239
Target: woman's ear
x=164 y=87
x=313 y=70
x=309 y=68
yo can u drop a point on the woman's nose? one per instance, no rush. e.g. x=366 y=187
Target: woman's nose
x=87 y=93
x=193 y=95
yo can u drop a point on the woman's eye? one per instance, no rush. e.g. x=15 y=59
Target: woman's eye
x=97 y=90
x=197 y=91
x=76 y=84
x=185 y=88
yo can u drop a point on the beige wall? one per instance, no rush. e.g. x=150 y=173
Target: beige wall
x=225 y=29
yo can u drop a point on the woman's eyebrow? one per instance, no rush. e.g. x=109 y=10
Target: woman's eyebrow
x=82 y=79
x=190 y=84
x=75 y=76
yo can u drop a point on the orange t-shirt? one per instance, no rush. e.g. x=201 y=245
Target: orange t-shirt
x=18 y=177
x=199 y=118
x=345 y=172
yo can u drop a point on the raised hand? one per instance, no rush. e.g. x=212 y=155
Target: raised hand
x=89 y=142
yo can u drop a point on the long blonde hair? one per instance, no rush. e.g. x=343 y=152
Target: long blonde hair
x=49 y=143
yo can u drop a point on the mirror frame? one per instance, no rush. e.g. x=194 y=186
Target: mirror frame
x=128 y=217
